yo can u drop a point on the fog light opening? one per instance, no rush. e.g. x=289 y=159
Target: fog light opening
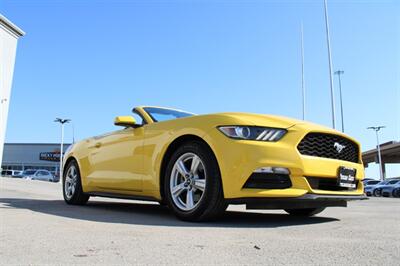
x=273 y=170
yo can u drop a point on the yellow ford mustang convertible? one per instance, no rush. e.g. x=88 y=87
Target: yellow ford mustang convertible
x=198 y=164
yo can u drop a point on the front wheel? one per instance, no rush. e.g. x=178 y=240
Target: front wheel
x=192 y=184
x=304 y=212
x=72 y=185
x=377 y=193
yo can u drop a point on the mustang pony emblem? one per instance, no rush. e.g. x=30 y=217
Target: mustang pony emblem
x=339 y=147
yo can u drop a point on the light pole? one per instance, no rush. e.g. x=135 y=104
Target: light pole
x=339 y=73
x=330 y=65
x=73 y=133
x=62 y=122
x=303 y=85
x=379 y=149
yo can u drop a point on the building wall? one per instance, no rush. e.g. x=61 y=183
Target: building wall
x=22 y=156
x=9 y=35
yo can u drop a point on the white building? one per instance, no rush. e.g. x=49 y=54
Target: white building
x=9 y=34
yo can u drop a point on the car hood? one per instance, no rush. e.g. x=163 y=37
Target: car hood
x=384 y=187
x=381 y=186
x=268 y=120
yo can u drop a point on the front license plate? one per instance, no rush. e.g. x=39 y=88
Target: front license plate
x=347 y=177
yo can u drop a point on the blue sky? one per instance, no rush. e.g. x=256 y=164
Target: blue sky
x=93 y=60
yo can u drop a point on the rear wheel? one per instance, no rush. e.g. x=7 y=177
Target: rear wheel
x=396 y=192
x=192 y=184
x=72 y=185
x=377 y=193
x=304 y=212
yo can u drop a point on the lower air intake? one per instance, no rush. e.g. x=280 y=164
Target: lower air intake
x=268 y=181
x=326 y=184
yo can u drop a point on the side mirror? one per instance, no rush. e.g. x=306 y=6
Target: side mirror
x=125 y=121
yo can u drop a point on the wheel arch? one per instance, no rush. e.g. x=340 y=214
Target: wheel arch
x=172 y=147
x=67 y=161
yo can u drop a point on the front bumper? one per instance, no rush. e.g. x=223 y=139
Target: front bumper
x=238 y=159
x=305 y=201
x=368 y=191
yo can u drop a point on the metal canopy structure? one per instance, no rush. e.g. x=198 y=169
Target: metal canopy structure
x=390 y=152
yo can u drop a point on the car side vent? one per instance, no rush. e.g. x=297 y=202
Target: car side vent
x=268 y=181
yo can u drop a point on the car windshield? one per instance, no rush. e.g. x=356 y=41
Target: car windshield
x=161 y=114
x=29 y=172
x=372 y=182
x=393 y=182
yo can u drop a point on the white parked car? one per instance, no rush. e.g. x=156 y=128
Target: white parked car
x=43 y=175
x=10 y=173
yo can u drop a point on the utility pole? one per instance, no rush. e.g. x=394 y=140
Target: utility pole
x=339 y=73
x=376 y=129
x=303 y=86
x=330 y=65
x=62 y=122
x=73 y=133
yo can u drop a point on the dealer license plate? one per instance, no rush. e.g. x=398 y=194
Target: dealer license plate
x=347 y=177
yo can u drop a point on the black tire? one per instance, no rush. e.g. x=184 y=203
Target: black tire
x=212 y=203
x=396 y=193
x=78 y=196
x=304 y=212
x=376 y=193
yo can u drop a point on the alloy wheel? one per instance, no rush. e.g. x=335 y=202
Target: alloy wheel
x=71 y=179
x=188 y=181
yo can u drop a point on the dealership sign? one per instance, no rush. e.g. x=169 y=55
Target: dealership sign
x=50 y=156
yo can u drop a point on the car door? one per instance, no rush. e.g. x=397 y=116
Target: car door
x=39 y=175
x=47 y=175
x=116 y=161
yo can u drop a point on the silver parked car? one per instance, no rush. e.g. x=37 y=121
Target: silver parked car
x=43 y=175
x=374 y=190
x=387 y=190
x=377 y=189
x=369 y=186
x=396 y=191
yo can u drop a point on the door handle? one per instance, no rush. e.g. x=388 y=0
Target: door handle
x=97 y=145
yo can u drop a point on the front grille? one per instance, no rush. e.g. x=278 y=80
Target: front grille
x=268 y=181
x=325 y=145
x=324 y=183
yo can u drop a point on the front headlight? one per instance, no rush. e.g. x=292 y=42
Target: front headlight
x=253 y=133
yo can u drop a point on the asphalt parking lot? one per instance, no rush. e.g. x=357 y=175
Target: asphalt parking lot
x=37 y=227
